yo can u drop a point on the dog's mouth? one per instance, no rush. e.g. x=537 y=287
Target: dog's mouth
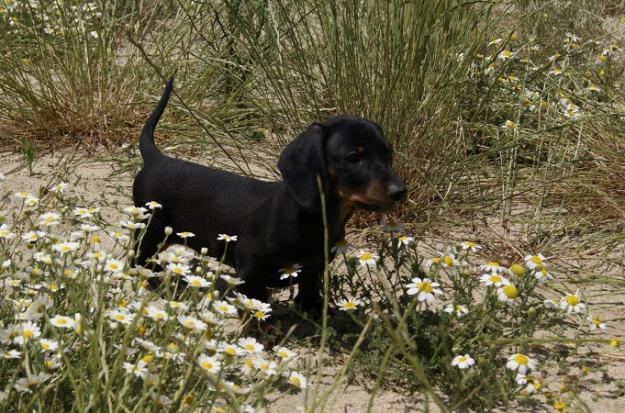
x=375 y=207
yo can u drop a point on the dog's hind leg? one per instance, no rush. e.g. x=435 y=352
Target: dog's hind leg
x=147 y=243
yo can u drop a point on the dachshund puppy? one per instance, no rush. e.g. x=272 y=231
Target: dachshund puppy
x=278 y=224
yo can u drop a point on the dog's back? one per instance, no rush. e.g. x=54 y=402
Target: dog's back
x=192 y=195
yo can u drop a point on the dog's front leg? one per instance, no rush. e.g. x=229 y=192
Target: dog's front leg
x=309 y=296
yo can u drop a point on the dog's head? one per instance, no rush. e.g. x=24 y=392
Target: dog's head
x=352 y=159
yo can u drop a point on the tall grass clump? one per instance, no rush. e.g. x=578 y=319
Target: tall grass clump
x=399 y=63
x=65 y=72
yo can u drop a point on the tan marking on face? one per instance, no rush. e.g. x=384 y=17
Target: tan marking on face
x=374 y=195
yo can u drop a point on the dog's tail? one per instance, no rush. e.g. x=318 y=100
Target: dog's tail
x=148 y=149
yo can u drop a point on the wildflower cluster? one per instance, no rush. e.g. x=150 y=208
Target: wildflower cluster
x=462 y=307
x=76 y=307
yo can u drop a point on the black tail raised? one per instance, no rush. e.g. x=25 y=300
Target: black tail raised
x=148 y=149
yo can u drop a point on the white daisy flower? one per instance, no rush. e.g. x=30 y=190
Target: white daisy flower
x=521 y=363
x=463 y=362
x=291 y=271
x=458 y=309
x=349 y=304
x=533 y=261
x=5 y=233
x=33 y=236
x=62 y=322
x=192 y=323
x=224 y=308
x=196 y=282
x=284 y=353
x=209 y=363
x=139 y=369
x=367 y=258
x=48 y=345
x=571 y=303
x=153 y=205
x=65 y=247
x=250 y=345
x=113 y=265
x=26 y=384
x=493 y=267
x=507 y=294
x=595 y=322
x=471 y=246
x=493 y=279
x=425 y=289
x=297 y=380
x=227 y=238
x=120 y=315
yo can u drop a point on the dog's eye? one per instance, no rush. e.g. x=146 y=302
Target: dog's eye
x=353 y=157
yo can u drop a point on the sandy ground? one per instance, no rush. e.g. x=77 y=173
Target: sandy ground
x=99 y=179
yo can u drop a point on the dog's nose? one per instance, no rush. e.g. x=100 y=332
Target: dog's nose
x=397 y=192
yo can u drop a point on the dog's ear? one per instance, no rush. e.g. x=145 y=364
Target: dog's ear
x=301 y=162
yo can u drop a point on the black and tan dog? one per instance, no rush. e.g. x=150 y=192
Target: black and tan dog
x=278 y=224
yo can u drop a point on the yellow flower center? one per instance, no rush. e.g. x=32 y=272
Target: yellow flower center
x=147 y=359
x=259 y=314
x=521 y=359
x=195 y=283
x=207 y=365
x=448 y=260
x=517 y=269
x=510 y=291
x=295 y=380
x=596 y=321
x=425 y=286
x=494 y=278
x=462 y=359
x=536 y=259
x=187 y=400
x=27 y=334
x=45 y=346
x=231 y=351
x=436 y=260
x=249 y=347
x=366 y=256
x=572 y=299
x=119 y=317
x=61 y=321
x=492 y=264
x=470 y=244
x=349 y=305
